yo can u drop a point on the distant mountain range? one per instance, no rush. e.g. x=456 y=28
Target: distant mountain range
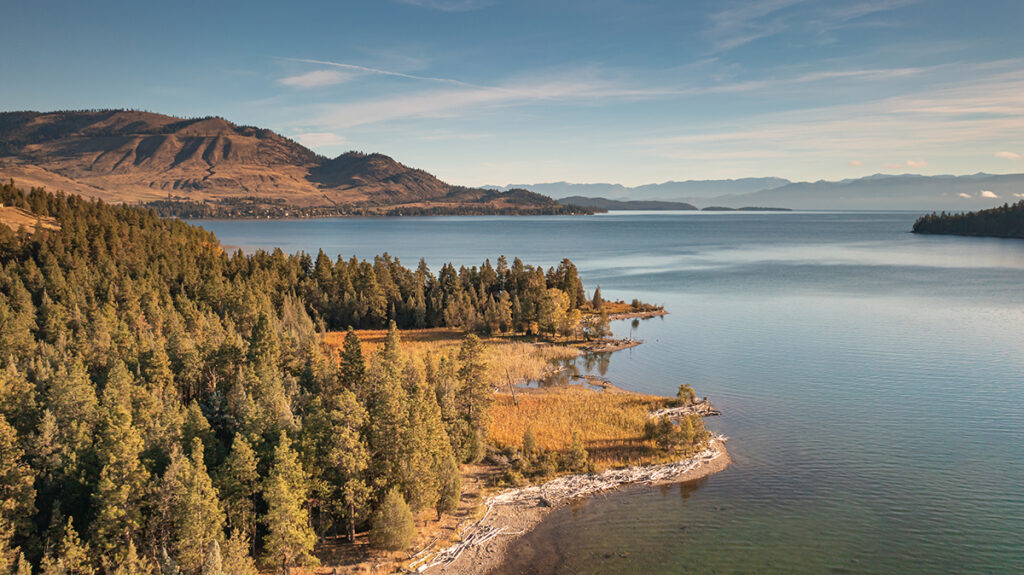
x=176 y=164
x=667 y=191
x=877 y=192
x=606 y=204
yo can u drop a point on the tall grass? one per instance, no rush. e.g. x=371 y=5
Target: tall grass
x=611 y=425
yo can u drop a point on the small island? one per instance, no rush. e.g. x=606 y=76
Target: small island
x=1006 y=221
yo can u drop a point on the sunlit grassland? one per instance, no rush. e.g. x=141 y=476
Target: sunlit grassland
x=610 y=425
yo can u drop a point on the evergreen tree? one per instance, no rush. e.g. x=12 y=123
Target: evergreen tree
x=238 y=485
x=122 y=483
x=474 y=393
x=290 y=538
x=130 y=563
x=17 y=495
x=237 y=560
x=392 y=527
x=451 y=488
x=352 y=367
x=577 y=459
x=70 y=557
x=387 y=417
x=198 y=516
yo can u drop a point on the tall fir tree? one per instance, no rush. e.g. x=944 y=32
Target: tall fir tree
x=122 y=483
x=199 y=519
x=290 y=538
x=238 y=485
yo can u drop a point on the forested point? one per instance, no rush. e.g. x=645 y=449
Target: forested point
x=1006 y=221
x=167 y=407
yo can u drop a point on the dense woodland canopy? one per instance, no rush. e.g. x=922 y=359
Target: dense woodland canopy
x=164 y=405
x=1006 y=221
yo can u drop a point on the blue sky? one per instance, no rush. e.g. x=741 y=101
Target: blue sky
x=501 y=91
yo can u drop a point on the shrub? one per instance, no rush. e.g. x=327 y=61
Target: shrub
x=392 y=527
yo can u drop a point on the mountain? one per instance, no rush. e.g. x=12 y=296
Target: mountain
x=875 y=192
x=889 y=192
x=667 y=191
x=187 y=165
x=606 y=204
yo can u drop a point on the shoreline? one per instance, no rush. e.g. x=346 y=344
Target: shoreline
x=485 y=543
x=637 y=314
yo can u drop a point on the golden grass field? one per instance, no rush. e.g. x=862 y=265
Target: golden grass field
x=610 y=425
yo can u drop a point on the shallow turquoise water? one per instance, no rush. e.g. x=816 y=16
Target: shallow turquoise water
x=871 y=383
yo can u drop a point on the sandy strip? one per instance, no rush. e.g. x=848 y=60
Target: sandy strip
x=512 y=513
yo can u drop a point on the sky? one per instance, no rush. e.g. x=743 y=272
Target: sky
x=521 y=91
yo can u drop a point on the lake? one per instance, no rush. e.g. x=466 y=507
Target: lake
x=871 y=383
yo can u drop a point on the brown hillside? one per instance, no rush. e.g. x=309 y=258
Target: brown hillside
x=130 y=156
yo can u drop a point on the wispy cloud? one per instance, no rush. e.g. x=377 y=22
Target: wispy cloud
x=855 y=163
x=450 y=5
x=465 y=99
x=747 y=22
x=929 y=121
x=988 y=194
x=320 y=139
x=357 y=69
x=1008 y=155
x=316 y=78
x=965 y=195
x=912 y=164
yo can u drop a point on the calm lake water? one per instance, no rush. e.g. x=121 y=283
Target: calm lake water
x=871 y=383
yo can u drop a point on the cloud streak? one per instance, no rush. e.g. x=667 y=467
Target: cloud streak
x=357 y=69
x=450 y=5
x=929 y=121
x=748 y=22
x=316 y=78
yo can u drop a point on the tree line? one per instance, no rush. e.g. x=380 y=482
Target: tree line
x=166 y=407
x=1005 y=221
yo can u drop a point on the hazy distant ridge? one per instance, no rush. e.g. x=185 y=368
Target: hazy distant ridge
x=876 y=192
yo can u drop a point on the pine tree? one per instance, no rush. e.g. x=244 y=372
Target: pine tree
x=529 y=446
x=237 y=560
x=70 y=557
x=198 y=516
x=352 y=367
x=118 y=494
x=387 y=418
x=238 y=484
x=392 y=527
x=290 y=538
x=451 y=488
x=426 y=446
x=348 y=460
x=17 y=494
x=577 y=459
x=130 y=563
x=475 y=392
